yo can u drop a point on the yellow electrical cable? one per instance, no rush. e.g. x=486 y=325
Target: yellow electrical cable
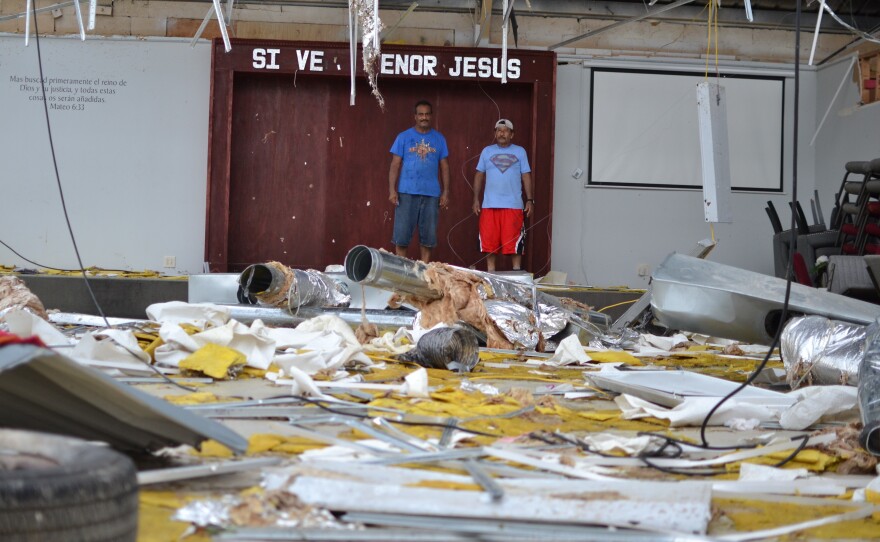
x=716 y=41
x=617 y=305
x=709 y=36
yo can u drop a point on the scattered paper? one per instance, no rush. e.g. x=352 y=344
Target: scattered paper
x=179 y=312
x=817 y=402
x=752 y=472
x=26 y=324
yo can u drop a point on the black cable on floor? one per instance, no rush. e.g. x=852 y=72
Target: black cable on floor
x=784 y=313
x=64 y=204
x=792 y=244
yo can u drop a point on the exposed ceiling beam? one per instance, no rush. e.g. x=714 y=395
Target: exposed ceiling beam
x=851 y=45
x=777 y=19
x=652 y=13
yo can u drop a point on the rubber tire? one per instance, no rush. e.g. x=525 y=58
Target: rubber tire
x=91 y=495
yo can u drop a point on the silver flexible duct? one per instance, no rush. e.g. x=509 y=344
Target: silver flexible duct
x=372 y=267
x=869 y=391
x=276 y=285
x=816 y=350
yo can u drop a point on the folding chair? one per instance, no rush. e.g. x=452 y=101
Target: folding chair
x=849 y=206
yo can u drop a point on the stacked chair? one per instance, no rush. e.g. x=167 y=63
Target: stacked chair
x=869 y=240
x=857 y=219
x=812 y=241
x=854 y=230
x=857 y=206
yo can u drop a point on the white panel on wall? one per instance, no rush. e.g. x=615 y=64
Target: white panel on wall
x=129 y=124
x=605 y=236
x=645 y=132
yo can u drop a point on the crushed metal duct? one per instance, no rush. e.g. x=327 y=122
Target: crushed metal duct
x=518 y=322
x=705 y=297
x=41 y=390
x=550 y=307
x=369 y=266
x=277 y=285
x=869 y=391
x=816 y=350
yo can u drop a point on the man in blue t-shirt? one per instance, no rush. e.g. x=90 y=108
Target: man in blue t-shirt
x=505 y=168
x=416 y=156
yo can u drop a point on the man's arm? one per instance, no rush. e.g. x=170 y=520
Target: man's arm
x=393 y=174
x=478 y=186
x=530 y=197
x=444 y=177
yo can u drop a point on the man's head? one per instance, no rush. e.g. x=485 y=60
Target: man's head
x=503 y=132
x=424 y=113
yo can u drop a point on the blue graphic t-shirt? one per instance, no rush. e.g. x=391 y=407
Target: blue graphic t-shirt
x=503 y=167
x=421 y=155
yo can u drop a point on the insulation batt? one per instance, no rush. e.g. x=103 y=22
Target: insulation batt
x=461 y=301
x=14 y=294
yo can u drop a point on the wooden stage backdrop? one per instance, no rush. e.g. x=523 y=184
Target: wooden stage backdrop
x=299 y=176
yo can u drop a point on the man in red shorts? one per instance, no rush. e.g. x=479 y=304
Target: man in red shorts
x=505 y=168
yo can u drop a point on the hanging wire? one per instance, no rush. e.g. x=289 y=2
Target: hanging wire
x=709 y=37
x=793 y=239
x=715 y=22
x=64 y=204
x=704 y=443
x=57 y=174
x=35 y=263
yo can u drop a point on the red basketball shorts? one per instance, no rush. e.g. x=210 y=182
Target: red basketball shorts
x=502 y=231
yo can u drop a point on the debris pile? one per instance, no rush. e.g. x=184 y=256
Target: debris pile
x=420 y=431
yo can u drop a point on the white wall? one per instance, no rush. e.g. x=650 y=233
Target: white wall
x=133 y=168
x=602 y=235
x=850 y=132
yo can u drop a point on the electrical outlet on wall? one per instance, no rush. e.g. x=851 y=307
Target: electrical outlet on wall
x=169 y=261
x=643 y=269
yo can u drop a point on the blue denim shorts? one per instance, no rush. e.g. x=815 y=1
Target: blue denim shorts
x=415 y=210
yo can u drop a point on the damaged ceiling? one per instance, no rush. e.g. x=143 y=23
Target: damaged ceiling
x=862 y=14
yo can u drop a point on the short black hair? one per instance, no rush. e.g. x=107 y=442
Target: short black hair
x=423 y=102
